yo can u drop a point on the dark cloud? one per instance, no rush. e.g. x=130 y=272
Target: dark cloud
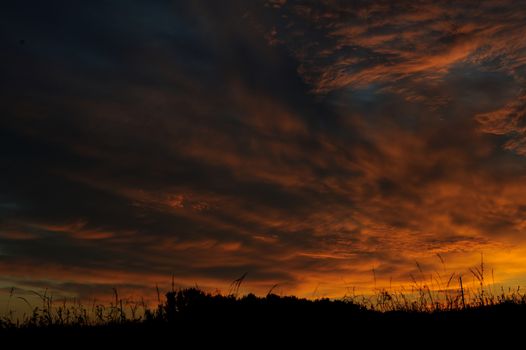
x=300 y=142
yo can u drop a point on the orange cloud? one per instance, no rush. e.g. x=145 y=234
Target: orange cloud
x=376 y=43
x=508 y=120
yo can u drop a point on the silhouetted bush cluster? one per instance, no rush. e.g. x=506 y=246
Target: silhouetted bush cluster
x=193 y=305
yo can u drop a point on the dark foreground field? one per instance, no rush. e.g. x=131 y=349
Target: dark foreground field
x=192 y=318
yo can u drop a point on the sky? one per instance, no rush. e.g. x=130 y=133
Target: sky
x=304 y=143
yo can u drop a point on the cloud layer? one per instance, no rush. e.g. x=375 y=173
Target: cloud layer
x=305 y=143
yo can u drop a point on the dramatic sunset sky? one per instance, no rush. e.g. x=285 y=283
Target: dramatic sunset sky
x=304 y=143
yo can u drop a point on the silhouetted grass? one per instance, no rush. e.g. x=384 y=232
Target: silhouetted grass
x=434 y=307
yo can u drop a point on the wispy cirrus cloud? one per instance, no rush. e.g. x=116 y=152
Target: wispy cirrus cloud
x=381 y=42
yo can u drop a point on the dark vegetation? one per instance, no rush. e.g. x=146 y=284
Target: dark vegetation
x=202 y=318
x=192 y=315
